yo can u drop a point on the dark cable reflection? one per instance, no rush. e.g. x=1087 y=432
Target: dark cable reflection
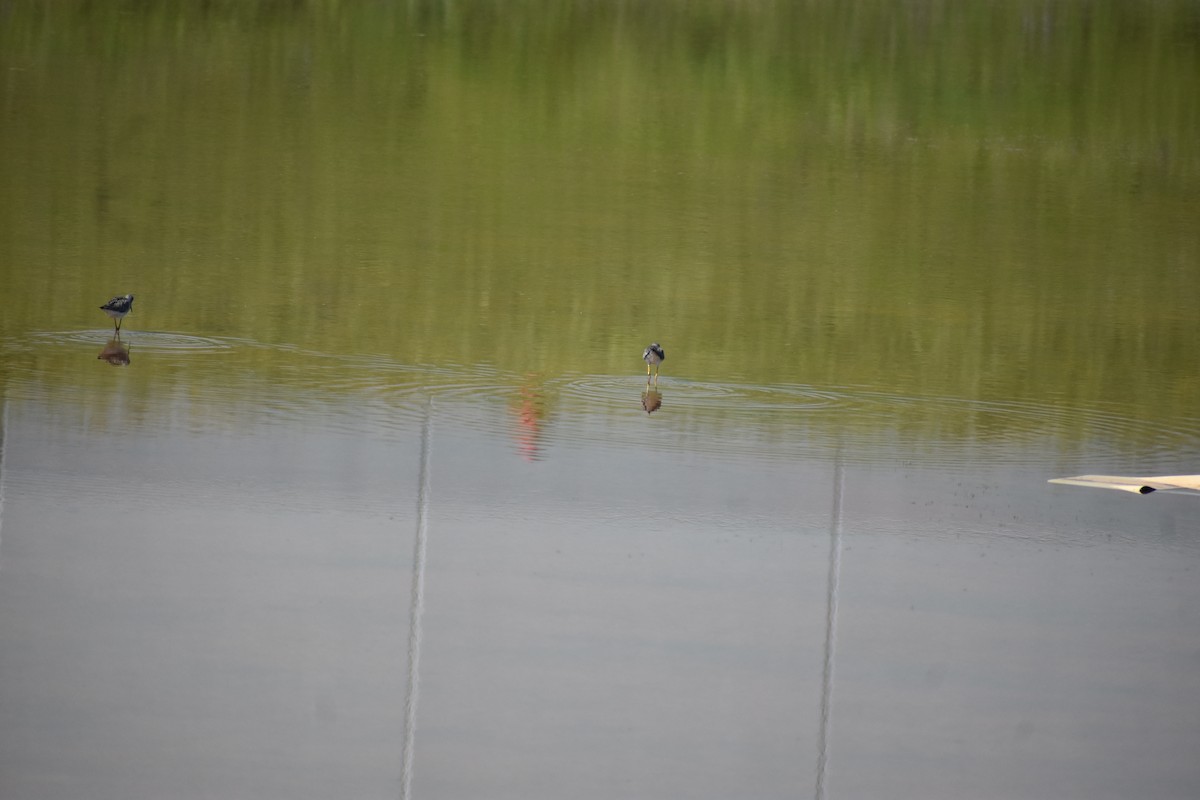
x=3 y=455
x=831 y=604
x=417 y=606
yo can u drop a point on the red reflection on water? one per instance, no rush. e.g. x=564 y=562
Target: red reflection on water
x=530 y=410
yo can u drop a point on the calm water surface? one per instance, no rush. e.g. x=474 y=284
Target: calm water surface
x=370 y=503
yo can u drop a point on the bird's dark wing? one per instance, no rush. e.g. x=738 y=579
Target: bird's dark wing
x=117 y=304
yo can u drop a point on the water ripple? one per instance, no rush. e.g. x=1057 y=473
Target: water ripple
x=610 y=391
x=144 y=341
x=280 y=384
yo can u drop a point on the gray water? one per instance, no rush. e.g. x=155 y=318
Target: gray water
x=231 y=613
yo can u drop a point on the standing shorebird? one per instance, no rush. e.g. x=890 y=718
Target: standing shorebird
x=117 y=308
x=653 y=356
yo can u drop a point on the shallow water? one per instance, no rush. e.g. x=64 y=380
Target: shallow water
x=219 y=587
x=371 y=497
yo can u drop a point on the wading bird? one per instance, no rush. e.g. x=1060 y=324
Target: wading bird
x=117 y=308
x=653 y=356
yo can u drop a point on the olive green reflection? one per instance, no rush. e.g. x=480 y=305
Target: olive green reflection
x=970 y=199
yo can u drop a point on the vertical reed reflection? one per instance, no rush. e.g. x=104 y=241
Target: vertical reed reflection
x=417 y=604
x=831 y=601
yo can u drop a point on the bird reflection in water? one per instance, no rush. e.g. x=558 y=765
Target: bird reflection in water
x=651 y=400
x=115 y=352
